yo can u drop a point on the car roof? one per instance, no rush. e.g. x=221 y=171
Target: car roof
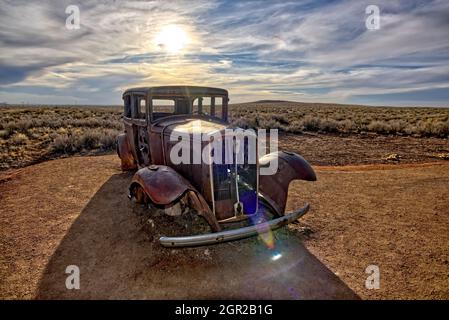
x=177 y=91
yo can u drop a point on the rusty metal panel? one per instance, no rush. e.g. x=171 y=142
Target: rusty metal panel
x=291 y=166
x=124 y=152
x=162 y=184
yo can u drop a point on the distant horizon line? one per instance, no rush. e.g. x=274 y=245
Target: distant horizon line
x=3 y=103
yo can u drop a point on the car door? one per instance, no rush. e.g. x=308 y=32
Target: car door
x=139 y=122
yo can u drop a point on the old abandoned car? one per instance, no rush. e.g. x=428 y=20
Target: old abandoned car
x=227 y=188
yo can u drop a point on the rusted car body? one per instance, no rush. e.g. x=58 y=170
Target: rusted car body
x=220 y=193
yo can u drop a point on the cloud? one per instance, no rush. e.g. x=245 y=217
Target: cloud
x=299 y=50
x=14 y=74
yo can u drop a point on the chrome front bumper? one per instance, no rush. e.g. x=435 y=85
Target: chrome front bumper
x=236 y=234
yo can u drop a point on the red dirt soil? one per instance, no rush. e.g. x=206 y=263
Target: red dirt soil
x=75 y=211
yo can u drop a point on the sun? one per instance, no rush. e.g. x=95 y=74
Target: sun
x=172 y=38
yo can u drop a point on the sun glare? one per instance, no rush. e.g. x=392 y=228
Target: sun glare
x=172 y=38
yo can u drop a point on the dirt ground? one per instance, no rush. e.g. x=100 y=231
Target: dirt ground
x=368 y=148
x=74 y=211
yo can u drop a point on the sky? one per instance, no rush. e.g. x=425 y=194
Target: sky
x=311 y=51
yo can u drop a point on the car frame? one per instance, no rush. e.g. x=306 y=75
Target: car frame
x=220 y=193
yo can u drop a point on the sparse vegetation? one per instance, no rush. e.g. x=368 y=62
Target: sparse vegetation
x=33 y=133
x=443 y=156
x=19 y=139
x=92 y=139
x=345 y=119
x=28 y=134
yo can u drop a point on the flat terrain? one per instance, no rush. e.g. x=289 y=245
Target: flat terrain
x=326 y=134
x=336 y=150
x=75 y=211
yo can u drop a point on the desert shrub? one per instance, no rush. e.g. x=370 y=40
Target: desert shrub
x=32 y=134
x=96 y=123
x=281 y=119
x=53 y=123
x=311 y=123
x=328 y=125
x=424 y=128
x=62 y=130
x=295 y=127
x=5 y=133
x=270 y=124
x=379 y=126
x=64 y=143
x=108 y=139
x=23 y=125
x=346 y=126
x=10 y=126
x=440 y=129
x=397 y=126
x=410 y=130
x=19 y=138
x=91 y=139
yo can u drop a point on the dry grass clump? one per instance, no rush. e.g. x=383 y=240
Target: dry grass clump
x=74 y=142
x=5 y=133
x=19 y=138
x=443 y=156
x=433 y=128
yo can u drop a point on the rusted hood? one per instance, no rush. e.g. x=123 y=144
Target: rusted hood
x=190 y=126
x=195 y=126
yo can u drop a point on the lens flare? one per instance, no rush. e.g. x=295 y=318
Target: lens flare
x=276 y=256
x=265 y=233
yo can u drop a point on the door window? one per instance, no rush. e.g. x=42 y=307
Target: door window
x=210 y=106
x=127 y=110
x=162 y=108
x=138 y=107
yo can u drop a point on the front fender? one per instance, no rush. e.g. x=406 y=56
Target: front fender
x=161 y=184
x=290 y=166
x=164 y=186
